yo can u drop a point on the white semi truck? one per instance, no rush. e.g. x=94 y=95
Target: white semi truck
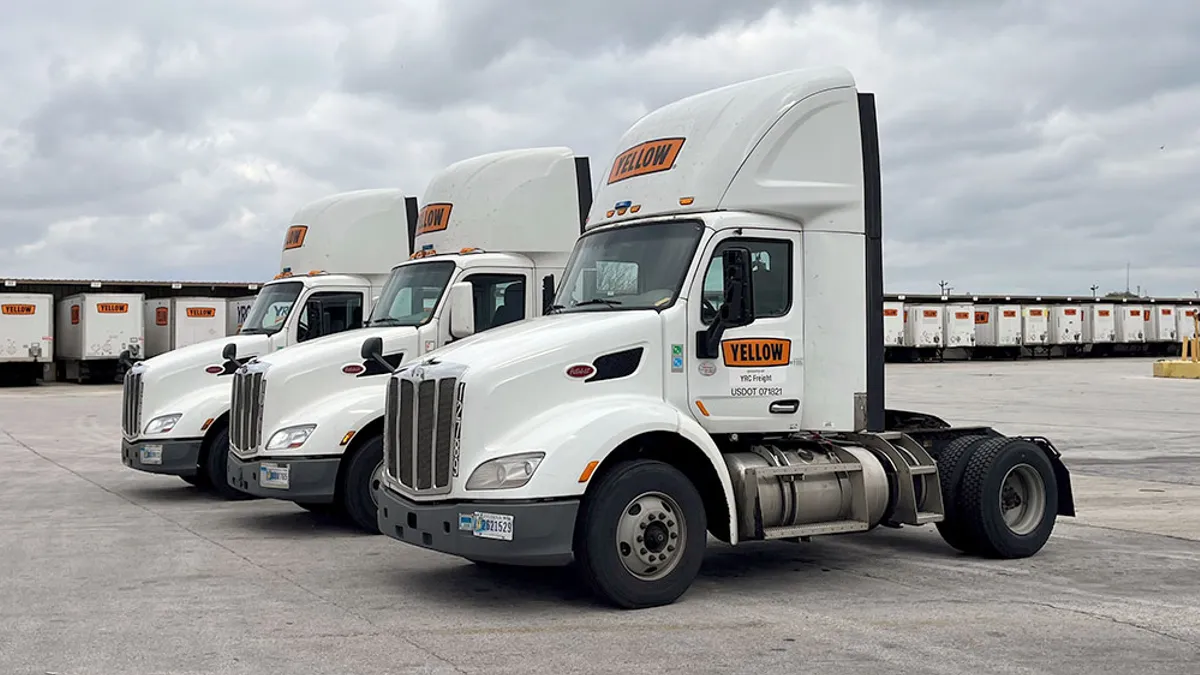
x=336 y=254
x=307 y=422
x=639 y=416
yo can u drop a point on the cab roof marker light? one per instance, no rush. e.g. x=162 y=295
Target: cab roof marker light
x=686 y=201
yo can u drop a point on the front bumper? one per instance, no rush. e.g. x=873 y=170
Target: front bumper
x=309 y=480
x=521 y=533
x=176 y=457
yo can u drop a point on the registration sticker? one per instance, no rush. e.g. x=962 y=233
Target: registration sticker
x=150 y=454
x=492 y=526
x=273 y=476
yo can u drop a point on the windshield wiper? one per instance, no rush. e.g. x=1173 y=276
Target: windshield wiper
x=596 y=301
x=385 y=321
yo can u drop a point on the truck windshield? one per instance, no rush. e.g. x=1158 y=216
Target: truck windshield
x=271 y=308
x=412 y=293
x=633 y=267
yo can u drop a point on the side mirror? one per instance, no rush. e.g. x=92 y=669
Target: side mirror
x=547 y=293
x=738 y=307
x=372 y=350
x=461 y=305
x=229 y=353
x=372 y=347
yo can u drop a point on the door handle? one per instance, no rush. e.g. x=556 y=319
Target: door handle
x=785 y=407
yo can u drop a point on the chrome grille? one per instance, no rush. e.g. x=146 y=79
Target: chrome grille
x=245 y=411
x=421 y=432
x=131 y=404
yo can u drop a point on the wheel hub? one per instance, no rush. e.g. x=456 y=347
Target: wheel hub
x=1022 y=499
x=376 y=482
x=650 y=536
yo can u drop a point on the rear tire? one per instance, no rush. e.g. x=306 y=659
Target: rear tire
x=216 y=469
x=361 y=480
x=1008 y=498
x=951 y=463
x=638 y=511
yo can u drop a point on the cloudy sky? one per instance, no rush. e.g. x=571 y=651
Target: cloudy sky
x=1028 y=147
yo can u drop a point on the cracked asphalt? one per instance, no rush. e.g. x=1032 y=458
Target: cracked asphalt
x=107 y=570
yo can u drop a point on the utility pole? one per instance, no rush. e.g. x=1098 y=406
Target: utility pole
x=1127 y=277
x=1094 y=287
x=945 y=286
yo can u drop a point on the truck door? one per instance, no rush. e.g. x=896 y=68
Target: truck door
x=755 y=380
x=329 y=312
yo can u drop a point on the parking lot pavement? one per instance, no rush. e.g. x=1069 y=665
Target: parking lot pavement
x=107 y=570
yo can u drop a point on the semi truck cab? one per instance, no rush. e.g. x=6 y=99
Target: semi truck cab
x=493 y=232
x=336 y=253
x=644 y=413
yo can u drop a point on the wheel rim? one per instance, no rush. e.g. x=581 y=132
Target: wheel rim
x=650 y=536
x=376 y=480
x=1022 y=499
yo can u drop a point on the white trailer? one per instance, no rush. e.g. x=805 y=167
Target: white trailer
x=26 y=336
x=959 y=324
x=1162 y=326
x=1131 y=325
x=893 y=324
x=1185 y=322
x=1099 y=323
x=640 y=417
x=94 y=330
x=494 y=231
x=1066 y=325
x=172 y=323
x=923 y=326
x=998 y=326
x=336 y=255
x=1035 y=325
x=236 y=311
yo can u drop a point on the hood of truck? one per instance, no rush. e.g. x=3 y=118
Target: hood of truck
x=171 y=376
x=297 y=375
x=516 y=372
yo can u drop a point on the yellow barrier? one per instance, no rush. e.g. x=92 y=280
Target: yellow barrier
x=1188 y=365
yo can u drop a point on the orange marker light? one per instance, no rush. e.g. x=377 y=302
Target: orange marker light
x=347 y=437
x=587 y=471
x=703 y=410
x=686 y=201
x=207 y=423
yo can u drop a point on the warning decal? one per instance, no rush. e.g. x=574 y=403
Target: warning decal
x=112 y=307
x=981 y=317
x=161 y=316
x=645 y=158
x=201 y=312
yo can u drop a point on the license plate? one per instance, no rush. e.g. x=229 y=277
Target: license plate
x=150 y=454
x=273 y=476
x=493 y=526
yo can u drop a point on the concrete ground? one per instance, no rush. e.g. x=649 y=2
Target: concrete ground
x=107 y=570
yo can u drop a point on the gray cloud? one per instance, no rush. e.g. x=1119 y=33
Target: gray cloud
x=1027 y=147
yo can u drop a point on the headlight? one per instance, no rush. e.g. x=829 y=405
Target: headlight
x=162 y=424
x=502 y=473
x=291 y=437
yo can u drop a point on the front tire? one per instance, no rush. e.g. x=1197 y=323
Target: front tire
x=216 y=468
x=362 y=478
x=1008 y=499
x=641 y=535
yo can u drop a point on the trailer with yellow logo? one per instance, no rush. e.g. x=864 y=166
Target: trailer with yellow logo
x=26 y=336
x=93 y=329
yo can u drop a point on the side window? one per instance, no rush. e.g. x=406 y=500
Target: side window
x=771 y=274
x=328 y=313
x=499 y=299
